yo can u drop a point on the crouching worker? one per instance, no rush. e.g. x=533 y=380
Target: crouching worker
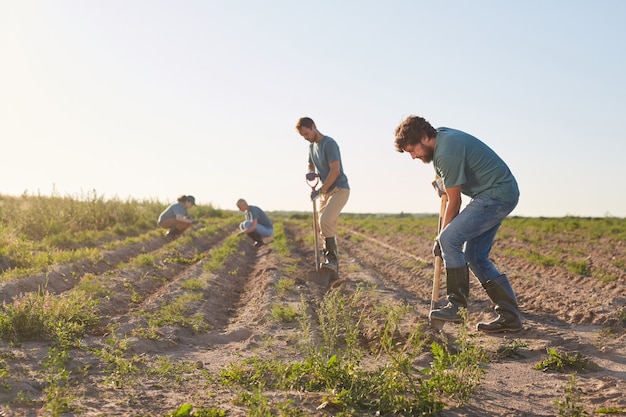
x=176 y=217
x=257 y=224
x=467 y=166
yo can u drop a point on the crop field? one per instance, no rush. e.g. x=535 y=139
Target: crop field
x=102 y=315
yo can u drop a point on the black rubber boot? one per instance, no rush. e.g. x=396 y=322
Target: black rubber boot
x=256 y=236
x=172 y=233
x=330 y=253
x=457 y=288
x=503 y=296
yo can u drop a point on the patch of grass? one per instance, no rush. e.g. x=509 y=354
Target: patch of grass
x=457 y=375
x=351 y=268
x=186 y=410
x=121 y=370
x=284 y=313
x=280 y=240
x=610 y=410
x=333 y=366
x=57 y=389
x=580 y=267
x=41 y=315
x=602 y=275
x=570 y=405
x=511 y=349
x=219 y=255
x=619 y=263
x=284 y=286
x=93 y=285
x=561 y=362
x=167 y=371
x=194 y=284
x=535 y=257
x=135 y=297
x=178 y=312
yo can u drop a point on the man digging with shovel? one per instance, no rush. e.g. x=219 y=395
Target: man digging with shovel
x=325 y=162
x=467 y=166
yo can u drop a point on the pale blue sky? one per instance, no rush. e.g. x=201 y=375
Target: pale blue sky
x=153 y=99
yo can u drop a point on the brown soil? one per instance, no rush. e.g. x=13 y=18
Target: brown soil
x=573 y=314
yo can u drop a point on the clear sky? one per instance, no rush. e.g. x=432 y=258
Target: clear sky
x=152 y=99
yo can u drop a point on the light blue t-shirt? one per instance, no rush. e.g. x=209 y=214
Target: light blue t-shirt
x=256 y=213
x=321 y=155
x=460 y=159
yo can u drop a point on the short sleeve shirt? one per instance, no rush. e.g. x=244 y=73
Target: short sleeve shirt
x=321 y=154
x=460 y=159
x=256 y=213
x=172 y=211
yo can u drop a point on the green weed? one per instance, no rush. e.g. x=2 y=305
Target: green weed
x=511 y=349
x=135 y=297
x=603 y=276
x=570 y=406
x=121 y=370
x=458 y=374
x=178 y=312
x=284 y=286
x=194 y=284
x=560 y=362
x=284 y=313
x=186 y=410
x=57 y=389
x=144 y=259
x=580 y=267
x=610 y=410
x=619 y=263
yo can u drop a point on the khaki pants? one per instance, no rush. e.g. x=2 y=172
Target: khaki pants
x=172 y=222
x=330 y=206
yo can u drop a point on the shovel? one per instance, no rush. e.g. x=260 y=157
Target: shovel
x=319 y=276
x=436 y=323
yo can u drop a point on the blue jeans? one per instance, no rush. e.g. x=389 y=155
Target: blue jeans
x=475 y=227
x=264 y=231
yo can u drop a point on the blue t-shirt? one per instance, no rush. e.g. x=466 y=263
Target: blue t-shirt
x=321 y=155
x=460 y=159
x=256 y=213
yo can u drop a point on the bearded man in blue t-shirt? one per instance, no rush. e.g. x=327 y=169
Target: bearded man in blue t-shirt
x=467 y=166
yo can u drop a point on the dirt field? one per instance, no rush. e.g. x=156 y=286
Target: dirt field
x=572 y=313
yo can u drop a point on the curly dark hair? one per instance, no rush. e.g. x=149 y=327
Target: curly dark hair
x=411 y=132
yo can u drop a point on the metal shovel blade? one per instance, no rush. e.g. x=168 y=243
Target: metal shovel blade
x=320 y=277
x=435 y=324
